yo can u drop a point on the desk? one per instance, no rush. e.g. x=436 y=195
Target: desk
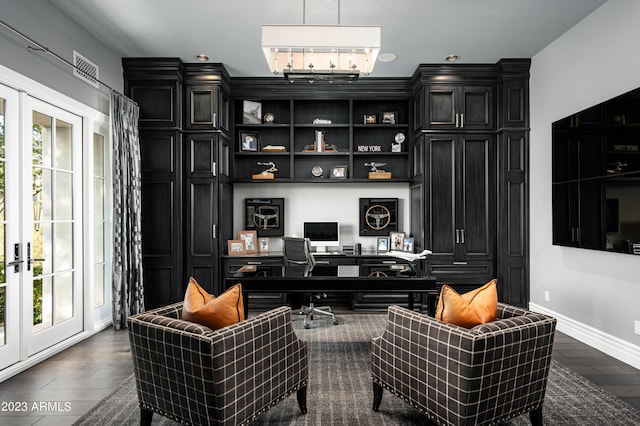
x=399 y=279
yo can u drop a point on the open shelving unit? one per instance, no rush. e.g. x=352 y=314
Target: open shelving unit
x=343 y=127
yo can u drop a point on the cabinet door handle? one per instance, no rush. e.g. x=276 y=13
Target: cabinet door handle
x=457 y=236
x=577 y=235
x=213 y=232
x=322 y=262
x=214 y=119
x=461 y=120
x=457 y=126
x=573 y=231
x=462 y=236
x=254 y=262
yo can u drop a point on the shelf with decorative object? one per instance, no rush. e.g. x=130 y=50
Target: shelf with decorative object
x=323 y=139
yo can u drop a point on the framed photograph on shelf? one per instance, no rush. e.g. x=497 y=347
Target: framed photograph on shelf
x=265 y=216
x=389 y=117
x=407 y=245
x=236 y=247
x=339 y=172
x=263 y=245
x=251 y=112
x=250 y=239
x=249 y=141
x=382 y=245
x=395 y=240
x=370 y=118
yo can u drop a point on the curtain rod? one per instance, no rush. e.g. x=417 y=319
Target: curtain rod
x=40 y=47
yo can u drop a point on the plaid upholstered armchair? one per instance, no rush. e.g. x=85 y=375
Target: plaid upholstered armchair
x=197 y=376
x=459 y=376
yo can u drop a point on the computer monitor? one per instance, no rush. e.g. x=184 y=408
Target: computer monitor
x=322 y=234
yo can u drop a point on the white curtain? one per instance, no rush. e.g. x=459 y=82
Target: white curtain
x=128 y=291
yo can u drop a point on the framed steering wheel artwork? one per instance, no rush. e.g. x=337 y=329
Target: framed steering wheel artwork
x=378 y=216
x=265 y=216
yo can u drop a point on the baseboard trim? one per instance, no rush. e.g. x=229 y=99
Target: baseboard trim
x=610 y=345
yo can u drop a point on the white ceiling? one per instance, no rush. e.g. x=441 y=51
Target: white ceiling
x=418 y=31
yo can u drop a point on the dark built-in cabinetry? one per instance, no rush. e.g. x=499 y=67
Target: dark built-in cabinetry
x=186 y=166
x=464 y=153
x=469 y=191
x=596 y=176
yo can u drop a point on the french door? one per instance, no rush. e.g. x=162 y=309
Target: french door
x=42 y=242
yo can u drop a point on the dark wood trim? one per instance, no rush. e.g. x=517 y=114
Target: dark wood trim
x=279 y=88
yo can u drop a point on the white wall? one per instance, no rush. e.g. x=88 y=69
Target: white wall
x=47 y=25
x=323 y=201
x=594 y=61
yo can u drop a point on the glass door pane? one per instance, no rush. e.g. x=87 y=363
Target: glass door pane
x=55 y=245
x=9 y=227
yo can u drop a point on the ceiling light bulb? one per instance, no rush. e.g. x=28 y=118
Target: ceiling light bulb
x=452 y=58
x=202 y=57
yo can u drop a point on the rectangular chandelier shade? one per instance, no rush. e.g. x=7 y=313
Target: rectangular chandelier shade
x=320 y=48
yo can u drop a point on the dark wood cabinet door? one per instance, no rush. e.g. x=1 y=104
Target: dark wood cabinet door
x=201 y=257
x=461 y=198
x=201 y=158
x=207 y=108
x=159 y=102
x=161 y=216
x=208 y=207
x=476 y=107
x=441 y=195
x=442 y=108
x=476 y=196
x=459 y=107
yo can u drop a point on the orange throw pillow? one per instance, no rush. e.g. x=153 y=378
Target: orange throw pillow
x=214 y=312
x=469 y=309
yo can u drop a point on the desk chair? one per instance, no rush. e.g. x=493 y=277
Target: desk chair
x=297 y=251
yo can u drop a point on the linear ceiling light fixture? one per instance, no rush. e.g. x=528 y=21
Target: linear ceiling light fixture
x=321 y=52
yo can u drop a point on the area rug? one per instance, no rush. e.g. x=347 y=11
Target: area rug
x=340 y=390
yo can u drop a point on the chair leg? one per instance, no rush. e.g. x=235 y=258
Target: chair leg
x=377 y=396
x=536 y=416
x=302 y=399
x=145 y=417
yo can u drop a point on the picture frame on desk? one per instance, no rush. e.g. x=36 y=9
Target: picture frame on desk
x=382 y=245
x=408 y=245
x=396 y=240
x=250 y=239
x=236 y=248
x=264 y=245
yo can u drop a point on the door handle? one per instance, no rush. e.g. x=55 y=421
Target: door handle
x=457 y=125
x=461 y=120
x=16 y=265
x=457 y=236
x=16 y=258
x=462 y=236
x=214 y=119
x=29 y=259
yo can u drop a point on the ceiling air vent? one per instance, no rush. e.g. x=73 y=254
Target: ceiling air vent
x=85 y=70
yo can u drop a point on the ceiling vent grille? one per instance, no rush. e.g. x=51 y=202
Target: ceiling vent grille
x=85 y=70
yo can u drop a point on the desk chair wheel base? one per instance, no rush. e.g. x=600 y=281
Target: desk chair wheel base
x=310 y=310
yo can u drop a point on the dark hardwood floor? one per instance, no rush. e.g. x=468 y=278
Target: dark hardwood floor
x=75 y=380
